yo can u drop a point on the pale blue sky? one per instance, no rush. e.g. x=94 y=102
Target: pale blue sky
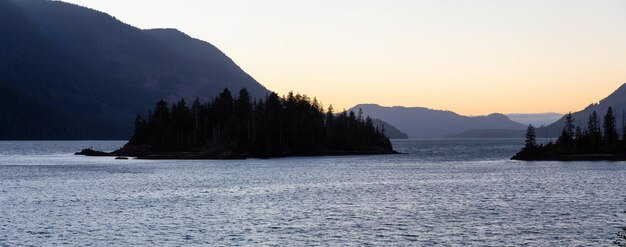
x=473 y=57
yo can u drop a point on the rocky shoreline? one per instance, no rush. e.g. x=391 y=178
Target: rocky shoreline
x=145 y=153
x=571 y=157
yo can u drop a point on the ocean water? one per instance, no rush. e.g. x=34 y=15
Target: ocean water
x=443 y=192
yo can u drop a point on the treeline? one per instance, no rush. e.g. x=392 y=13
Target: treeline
x=274 y=126
x=597 y=137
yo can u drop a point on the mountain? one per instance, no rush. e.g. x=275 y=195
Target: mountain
x=69 y=72
x=617 y=100
x=536 y=119
x=390 y=131
x=419 y=122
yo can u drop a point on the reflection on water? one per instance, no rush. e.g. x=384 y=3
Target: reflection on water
x=442 y=192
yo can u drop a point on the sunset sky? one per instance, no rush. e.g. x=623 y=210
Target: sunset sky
x=473 y=57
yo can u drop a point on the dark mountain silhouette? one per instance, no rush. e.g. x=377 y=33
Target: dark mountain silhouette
x=616 y=100
x=69 y=72
x=390 y=131
x=419 y=122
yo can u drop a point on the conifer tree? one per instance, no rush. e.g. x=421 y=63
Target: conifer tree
x=610 y=130
x=593 y=125
x=531 y=137
x=568 y=131
x=593 y=129
x=569 y=124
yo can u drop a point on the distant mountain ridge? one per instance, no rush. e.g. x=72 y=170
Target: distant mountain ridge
x=420 y=122
x=536 y=119
x=419 y=118
x=69 y=72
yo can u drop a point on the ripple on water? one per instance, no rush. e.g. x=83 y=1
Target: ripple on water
x=464 y=195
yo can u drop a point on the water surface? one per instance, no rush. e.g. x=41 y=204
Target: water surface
x=444 y=192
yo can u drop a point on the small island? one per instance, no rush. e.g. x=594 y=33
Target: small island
x=595 y=142
x=241 y=127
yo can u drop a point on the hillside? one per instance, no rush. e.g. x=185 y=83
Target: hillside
x=617 y=100
x=69 y=72
x=390 y=131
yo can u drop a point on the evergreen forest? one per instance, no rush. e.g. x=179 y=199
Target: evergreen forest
x=594 y=140
x=244 y=127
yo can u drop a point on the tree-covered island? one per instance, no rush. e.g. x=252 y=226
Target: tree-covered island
x=241 y=127
x=595 y=141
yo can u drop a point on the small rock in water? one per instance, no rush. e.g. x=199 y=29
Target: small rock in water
x=121 y=158
x=91 y=152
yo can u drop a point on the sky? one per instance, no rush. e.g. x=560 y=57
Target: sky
x=472 y=57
